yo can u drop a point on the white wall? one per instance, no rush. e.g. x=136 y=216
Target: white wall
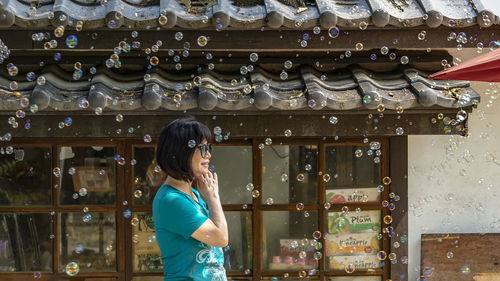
x=453 y=182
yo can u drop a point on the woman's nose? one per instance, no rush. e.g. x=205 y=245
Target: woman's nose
x=208 y=155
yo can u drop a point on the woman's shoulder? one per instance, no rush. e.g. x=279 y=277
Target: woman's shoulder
x=167 y=193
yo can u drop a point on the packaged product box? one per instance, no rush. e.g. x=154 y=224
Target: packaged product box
x=289 y=258
x=352 y=243
x=362 y=221
x=362 y=195
x=360 y=262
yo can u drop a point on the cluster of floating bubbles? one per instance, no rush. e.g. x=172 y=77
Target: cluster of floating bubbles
x=333 y=32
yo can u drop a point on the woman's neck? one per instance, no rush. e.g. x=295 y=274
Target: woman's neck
x=183 y=186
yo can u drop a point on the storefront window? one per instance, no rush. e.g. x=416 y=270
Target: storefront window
x=353 y=240
x=25 y=243
x=290 y=174
x=352 y=174
x=288 y=242
x=233 y=165
x=232 y=185
x=238 y=254
x=87 y=175
x=287 y=209
x=146 y=178
x=89 y=240
x=25 y=176
x=147 y=254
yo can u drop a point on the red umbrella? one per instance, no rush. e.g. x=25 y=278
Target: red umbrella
x=485 y=68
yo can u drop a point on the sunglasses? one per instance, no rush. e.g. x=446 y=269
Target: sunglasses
x=204 y=149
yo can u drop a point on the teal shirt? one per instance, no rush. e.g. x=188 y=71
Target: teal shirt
x=176 y=216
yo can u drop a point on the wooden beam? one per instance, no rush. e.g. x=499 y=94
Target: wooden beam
x=33 y=57
x=261 y=41
x=240 y=125
x=399 y=175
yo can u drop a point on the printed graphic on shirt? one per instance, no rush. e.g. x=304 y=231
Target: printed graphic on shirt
x=213 y=260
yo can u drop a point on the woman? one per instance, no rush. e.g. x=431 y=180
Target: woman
x=190 y=225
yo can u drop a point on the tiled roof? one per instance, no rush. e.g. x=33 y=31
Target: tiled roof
x=248 y=14
x=303 y=88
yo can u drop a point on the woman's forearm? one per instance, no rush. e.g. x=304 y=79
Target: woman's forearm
x=218 y=218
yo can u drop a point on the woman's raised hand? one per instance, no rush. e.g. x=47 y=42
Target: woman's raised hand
x=208 y=186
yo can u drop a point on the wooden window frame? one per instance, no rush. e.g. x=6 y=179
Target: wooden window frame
x=393 y=162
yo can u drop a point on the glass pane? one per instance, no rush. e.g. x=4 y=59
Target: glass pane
x=87 y=175
x=25 y=242
x=355 y=278
x=146 y=179
x=147 y=254
x=352 y=240
x=238 y=256
x=88 y=239
x=25 y=176
x=353 y=174
x=290 y=174
x=287 y=237
x=232 y=182
x=233 y=165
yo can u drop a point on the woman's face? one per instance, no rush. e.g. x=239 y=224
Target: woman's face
x=199 y=165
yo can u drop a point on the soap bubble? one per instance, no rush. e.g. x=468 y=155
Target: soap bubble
x=71 y=41
x=178 y=36
x=202 y=41
x=87 y=217
x=421 y=35
x=127 y=213
x=72 y=269
x=283 y=75
x=254 y=57
x=333 y=32
x=79 y=248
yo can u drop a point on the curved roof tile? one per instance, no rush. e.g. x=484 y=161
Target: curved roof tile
x=352 y=88
x=273 y=14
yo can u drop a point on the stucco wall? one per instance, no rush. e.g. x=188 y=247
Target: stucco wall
x=454 y=181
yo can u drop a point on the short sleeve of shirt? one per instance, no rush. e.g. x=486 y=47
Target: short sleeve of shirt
x=180 y=215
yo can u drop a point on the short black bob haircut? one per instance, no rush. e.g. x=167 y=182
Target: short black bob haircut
x=173 y=154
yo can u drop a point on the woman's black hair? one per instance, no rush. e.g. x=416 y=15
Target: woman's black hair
x=174 y=150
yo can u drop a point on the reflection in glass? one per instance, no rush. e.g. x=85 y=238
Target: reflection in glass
x=353 y=240
x=146 y=178
x=290 y=173
x=287 y=240
x=232 y=182
x=233 y=165
x=25 y=243
x=87 y=175
x=25 y=176
x=238 y=256
x=352 y=174
x=89 y=239
x=147 y=254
